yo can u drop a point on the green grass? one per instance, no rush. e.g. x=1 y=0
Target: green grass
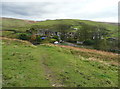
x=9 y=34
x=48 y=65
x=78 y=23
x=15 y=24
x=9 y=22
x=23 y=25
x=22 y=68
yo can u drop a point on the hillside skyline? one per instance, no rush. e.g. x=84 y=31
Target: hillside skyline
x=56 y=19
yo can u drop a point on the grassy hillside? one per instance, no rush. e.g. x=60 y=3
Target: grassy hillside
x=77 y=22
x=48 y=65
x=15 y=24
x=22 y=25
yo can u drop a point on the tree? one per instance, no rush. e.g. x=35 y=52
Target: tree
x=100 y=33
x=63 y=29
x=85 y=33
x=23 y=36
x=33 y=30
x=102 y=45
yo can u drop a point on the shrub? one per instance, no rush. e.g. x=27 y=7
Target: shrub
x=72 y=40
x=53 y=40
x=44 y=41
x=89 y=42
x=47 y=40
x=38 y=39
x=33 y=37
x=102 y=45
x=23 y=36
x=56 y=37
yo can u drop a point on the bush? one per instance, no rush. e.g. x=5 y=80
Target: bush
x=47 y=40
x=72 y=40
x=89 y=42
x=56 y=37
x=53 y=40
x=38 y=39
x=44 y=41
x=102 y=45
x=23 y=36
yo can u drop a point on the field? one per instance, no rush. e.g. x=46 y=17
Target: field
x=48 y=65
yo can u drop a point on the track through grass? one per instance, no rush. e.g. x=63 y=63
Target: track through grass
x=49 y=65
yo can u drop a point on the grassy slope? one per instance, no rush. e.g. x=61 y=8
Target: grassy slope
x=23 y=25
x=49 y=65
x=16 y=24
x=77 y=24
x=21 y=67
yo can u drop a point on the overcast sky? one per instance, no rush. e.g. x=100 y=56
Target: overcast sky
x=96 y=10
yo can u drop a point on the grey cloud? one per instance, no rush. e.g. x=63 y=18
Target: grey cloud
x=55 y=10
x=23 y=9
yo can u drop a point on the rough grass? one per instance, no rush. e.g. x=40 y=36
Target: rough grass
x=49 y=66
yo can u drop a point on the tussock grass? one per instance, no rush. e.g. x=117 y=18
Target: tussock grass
x=47 y=65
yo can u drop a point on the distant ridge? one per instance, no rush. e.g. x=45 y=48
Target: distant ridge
x=29 y=21
x=33 y=21
x=23 y=24
x=111 y=23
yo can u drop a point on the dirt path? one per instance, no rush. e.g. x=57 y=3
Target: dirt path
x=49 y=74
